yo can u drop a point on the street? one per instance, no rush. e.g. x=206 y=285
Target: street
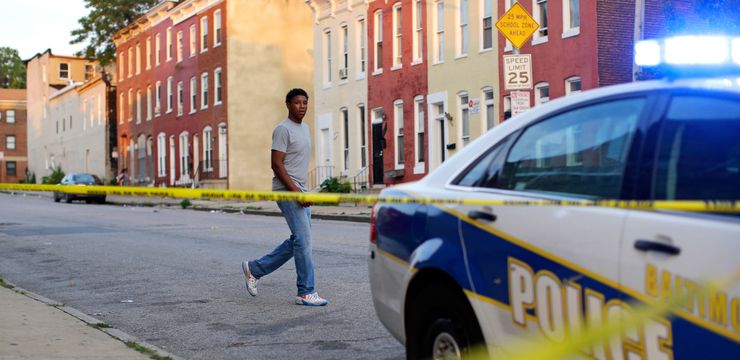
x=172 y=278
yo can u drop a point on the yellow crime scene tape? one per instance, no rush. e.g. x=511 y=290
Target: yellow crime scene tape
x=725 y=206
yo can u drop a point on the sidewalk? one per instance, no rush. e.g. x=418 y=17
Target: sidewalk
x=33 y=327
x=343 y=212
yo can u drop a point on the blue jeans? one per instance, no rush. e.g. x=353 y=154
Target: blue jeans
x=298 y=246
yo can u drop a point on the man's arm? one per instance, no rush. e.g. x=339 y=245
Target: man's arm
x=277 y=159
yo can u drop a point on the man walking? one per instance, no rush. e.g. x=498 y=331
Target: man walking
x=291 y=150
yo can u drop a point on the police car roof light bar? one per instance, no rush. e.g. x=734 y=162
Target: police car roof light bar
x=705 y=55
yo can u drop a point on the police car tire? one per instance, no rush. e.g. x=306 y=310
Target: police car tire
x=442 y=310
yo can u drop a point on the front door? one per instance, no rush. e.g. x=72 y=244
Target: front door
x=378 y=143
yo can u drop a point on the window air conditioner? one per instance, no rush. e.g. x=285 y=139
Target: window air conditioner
x=343 y=73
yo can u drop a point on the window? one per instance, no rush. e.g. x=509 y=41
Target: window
x=179 y=98
x=488 y=107
x=397 y=39
x=345 y=53
x=363 y=141
x=699 y=150
x=572 y=85
x=327 y=57
x=121 y=67
x=398 y=125
x=582 y=152
x=148 y=53
x=218 y=85
x=418 y=41
x=217 y=28
x=203 y=33
x=138 y=106
x=207 y=149
x=157 y=101
x=10 y=116
x=439 y=34
x=541 y=93
x=487 y=169
x=361 y=43
x=487 y=25
x=169 y=94
x=157 y=49
x=465 y=118
x=193 y=90
x=169 y=43
x=130 y=104
x=10 y=142
x=130 y=62
x=419 y=127
x=571 y=17
x=204 y=90
x=179 y=46
x=10 y=168
x=121 y=109
x=184 y=158
x=149 y=102
x=462 y=40
x=193 y=39
x=161 y=155
x=345 y=139
x=507 y=107
x=138 y=59
x=63 y=70
x=540 y=15
x=378 y=36
x=89 y=71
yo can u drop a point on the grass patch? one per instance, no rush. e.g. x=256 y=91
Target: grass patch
x=56 y=306
x=146 y=351
x=253 y=208
x=5 y=285
x=99 y=326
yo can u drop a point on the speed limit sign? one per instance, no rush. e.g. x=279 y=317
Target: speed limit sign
x=518 y=72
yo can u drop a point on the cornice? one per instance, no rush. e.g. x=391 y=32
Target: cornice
x=189 y=8
x=153 y=17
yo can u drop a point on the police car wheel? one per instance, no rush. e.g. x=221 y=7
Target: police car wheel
x=444 y=327
x=57 y=198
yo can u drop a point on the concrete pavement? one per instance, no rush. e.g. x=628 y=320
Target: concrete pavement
x=33 y=327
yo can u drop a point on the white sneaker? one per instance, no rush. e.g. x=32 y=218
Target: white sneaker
x=251 y=280
x=312 y=299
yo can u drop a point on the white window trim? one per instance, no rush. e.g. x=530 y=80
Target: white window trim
x=361 y=43
x=460 y=109
x=138 y=59
x=138 y=106
x=161 y=155
x=170 y=98
x=567 y=30
x=203 y=91
x=418 y=104
x=484 y=108
x=481 y=33
x=168 y=45
x=570 y=80
x=157 y=49
x=180 y=100
x=537 y=99
x=193 y=40
x=183 y=151
x=193 y=94
x=204 y=34
x=207 y=145
x=397 y=37
x=148 y=52
x=439 y=34
x=216 y=26
x=179 y=46
x=327 y=58
x=121 y=108
x=121 y=65
x=158 y=99
x=346 y=150
x=377 y=38
x=418 y=38
x=538 y=39
x=362 y=131
x=459 y=53
x=343 y=49
x=130 y=105
x=397 y=125
x=130 y=61
x=149 y=103
x=216 y=85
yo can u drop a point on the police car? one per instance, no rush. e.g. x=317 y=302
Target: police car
x=448 y=277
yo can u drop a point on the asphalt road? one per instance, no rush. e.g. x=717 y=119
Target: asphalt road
x=172 y=278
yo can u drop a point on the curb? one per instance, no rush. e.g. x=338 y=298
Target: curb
x=94 y=323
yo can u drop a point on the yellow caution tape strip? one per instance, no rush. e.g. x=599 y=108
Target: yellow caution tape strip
x=725 y=206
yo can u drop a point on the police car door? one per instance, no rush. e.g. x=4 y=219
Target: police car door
x=669 y=253
x=549 y=269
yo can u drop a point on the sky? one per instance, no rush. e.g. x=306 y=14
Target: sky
x=32 y=26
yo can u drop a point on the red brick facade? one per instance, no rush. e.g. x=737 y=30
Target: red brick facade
x=13 y=139
x=153 y=161
x=391 y=85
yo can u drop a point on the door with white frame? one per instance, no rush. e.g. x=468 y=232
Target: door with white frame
x=324 y=156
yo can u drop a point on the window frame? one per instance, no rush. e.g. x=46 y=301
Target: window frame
x=541 y=17
x=193 y=94
x=397 y=36
x=179 y=45
x=10 y=145
x=398 y=135
x=417 y=21
x=170 y=94
x=161 y=155
x=486 y=30
x=67 y=71
x=462 y=28
x=168 y=45
x=419 y=133
x=217 y=28
x=378 y=42
x=569 y=29
x=571 y=80
x=204 y=91
x=218 y=86
x=148 y=52
x=180 y=99
x=464 y=116
x=361 y=48
x=204 y=34
x=439 y=32
x=538 y=99
x=10 y=116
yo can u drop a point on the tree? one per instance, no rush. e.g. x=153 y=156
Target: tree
x=12 y=69
x=106 y=17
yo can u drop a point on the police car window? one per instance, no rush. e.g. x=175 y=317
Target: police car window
x=699 y=150
x=486 y=171
x=581 y=152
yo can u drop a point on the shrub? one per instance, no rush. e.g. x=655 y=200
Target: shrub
x=185 y=203
x=333 y=185
x=55 y=178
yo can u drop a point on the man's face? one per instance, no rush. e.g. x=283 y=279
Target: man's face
x=297 y=107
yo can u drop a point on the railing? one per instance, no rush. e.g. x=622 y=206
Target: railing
x=212 y=172
x=318 y=175
x=361 y=181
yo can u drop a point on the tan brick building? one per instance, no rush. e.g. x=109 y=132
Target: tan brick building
x=13 y=146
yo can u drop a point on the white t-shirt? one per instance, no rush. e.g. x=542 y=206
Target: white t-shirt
x=294 y=140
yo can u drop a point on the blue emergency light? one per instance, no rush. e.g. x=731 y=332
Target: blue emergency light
x=690 y=54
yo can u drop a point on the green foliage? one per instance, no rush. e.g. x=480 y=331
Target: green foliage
x=12 y=70
x=55 y=178
x=333 y=185
x=106 y=17
x=185 y=203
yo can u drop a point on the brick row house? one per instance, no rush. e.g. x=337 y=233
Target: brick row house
x=178 y=65
x=13 y=147
x=71 y=116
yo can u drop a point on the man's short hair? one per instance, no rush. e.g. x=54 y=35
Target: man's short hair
x=295 y=92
